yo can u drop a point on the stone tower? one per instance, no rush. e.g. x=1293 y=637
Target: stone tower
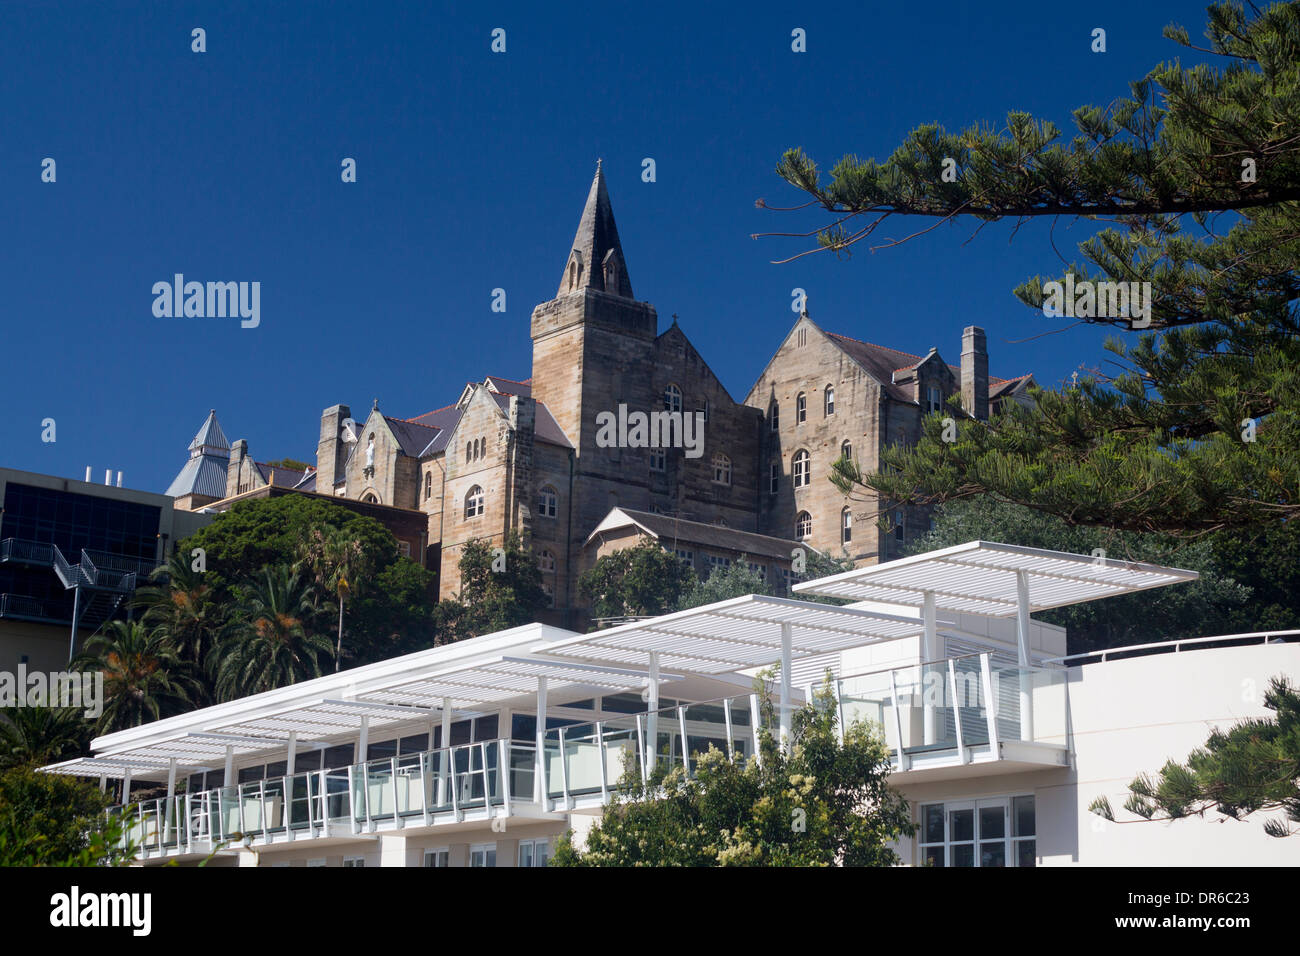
x=592 y=341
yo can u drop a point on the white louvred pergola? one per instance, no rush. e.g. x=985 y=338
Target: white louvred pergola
x=736 y=634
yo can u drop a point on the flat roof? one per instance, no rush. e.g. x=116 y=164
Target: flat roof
x=738 y=633
x=980 y=577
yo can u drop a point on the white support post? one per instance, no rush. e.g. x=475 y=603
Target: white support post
x=1022 y=647
x=455 y=799
x=103 y=784
x=956 y=711
x=228 y=775
x=291 y=761
x=540 y=790
x=397 y=816
x=641 y=747
x=363 y=741
x=787 y=642
x=652 y=716
x=726 y=719
x=754 y=728
x=324 y=803
x=600 y=755
x=564 y=773
x=126 y=787
x=686 y=750
x=929 y=654
x=352 y=798
x=990 y=704
x=487 y=779
x=426 y=785
x=839 y=710
x=169 y=814
x=904 y=761
x=503 y=763
x=445 y=746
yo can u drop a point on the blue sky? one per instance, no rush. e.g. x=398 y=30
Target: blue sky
x=472 y=170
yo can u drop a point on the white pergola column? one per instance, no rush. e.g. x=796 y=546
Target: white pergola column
x=652 y=717
x=1022 y=648
x=929 y=654
x=444 y=768
x=787 y=645
x=226 y=778
x=539 y=775
x=126 y=787
x=103 y=784
x=363 y=741
x=168 y=818
x=291 y=760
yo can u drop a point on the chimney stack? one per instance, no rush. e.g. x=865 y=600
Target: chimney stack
x=88 y=478
x=119 y=479
x=975 y=373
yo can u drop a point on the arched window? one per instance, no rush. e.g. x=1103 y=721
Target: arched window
x=546 y=502
x=774 y=416
x=721 y=469
x=474 y=502
x=803 y=525
x=829 y=401
x=846 y=450
x=800 y=409
x=672 y=399
x=802 y=468
x=546 y=562
x=369 y=498
x=428 y=485
x=846 y=526
x=469 y=451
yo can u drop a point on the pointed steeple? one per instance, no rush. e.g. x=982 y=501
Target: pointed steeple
x=210 y=440
x=596 y=257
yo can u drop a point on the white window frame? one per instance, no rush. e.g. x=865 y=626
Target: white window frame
x=672 y=398
x=485 y=849
x=433 y=855
x=801 y=465
x=774 y=413
x=846 y=526
x=533 y=846
x=657 y=459
x=800 y=408
x=354 y=861
x=828 y=402
x=933 y=399
x=546 y=561
x=721 y=469
x=803 y=535
x=474 y=503
x=774 y=479
x=1010 y=841
x=548 y=502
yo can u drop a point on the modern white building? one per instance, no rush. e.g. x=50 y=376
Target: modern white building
x=482 y=753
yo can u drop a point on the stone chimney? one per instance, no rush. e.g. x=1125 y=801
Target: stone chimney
x=332 y=451
x=975 y=373
x=235 y=470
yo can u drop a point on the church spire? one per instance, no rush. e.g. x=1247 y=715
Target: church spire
x=596 y=257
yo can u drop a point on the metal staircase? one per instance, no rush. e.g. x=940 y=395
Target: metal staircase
x=100 y=582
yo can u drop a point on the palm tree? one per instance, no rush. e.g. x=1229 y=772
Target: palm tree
x=143 y=676
x=272 y=642
x=181 y=606
x=339 y=564
x=35 y=736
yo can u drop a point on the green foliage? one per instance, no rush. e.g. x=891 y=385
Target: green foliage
x=180 y=606
x=821 y=804
x=52 y=820
x=1165 y=444
x=642 y=580
x=735 y=580
x=265 y=531
x=493 y=600
x=37 y=736
x=1217 y=603
x=292 y=464
x=273 y=640
x=1252 y=767
x=144 y=678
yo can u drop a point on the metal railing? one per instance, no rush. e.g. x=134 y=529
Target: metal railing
x=1174 y=647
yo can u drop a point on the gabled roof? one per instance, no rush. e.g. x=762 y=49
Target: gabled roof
x=412 y=438
x=280 y=477
x=667 y=529
x=508 y=386
x=545 y=427
x=595 y=241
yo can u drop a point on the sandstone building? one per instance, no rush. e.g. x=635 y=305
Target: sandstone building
x=527 y=455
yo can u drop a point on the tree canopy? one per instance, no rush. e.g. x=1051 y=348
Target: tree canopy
x=822 y=803
x=1199 y=171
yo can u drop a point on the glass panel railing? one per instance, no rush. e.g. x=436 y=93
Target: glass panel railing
x=622 y=743
x=1031 y=703
x=523 y=770
x=553 y=758
x=583 y=755
x=706 y=726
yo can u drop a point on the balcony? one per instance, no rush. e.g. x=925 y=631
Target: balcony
x=964 y=716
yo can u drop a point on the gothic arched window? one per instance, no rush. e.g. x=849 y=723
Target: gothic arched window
x=802 y=469
x=672 y=398
x=474 y=502
x=721 y=469
x=803 y=525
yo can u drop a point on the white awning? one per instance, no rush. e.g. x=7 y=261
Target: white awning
x=738 y=633
x=981 y=577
